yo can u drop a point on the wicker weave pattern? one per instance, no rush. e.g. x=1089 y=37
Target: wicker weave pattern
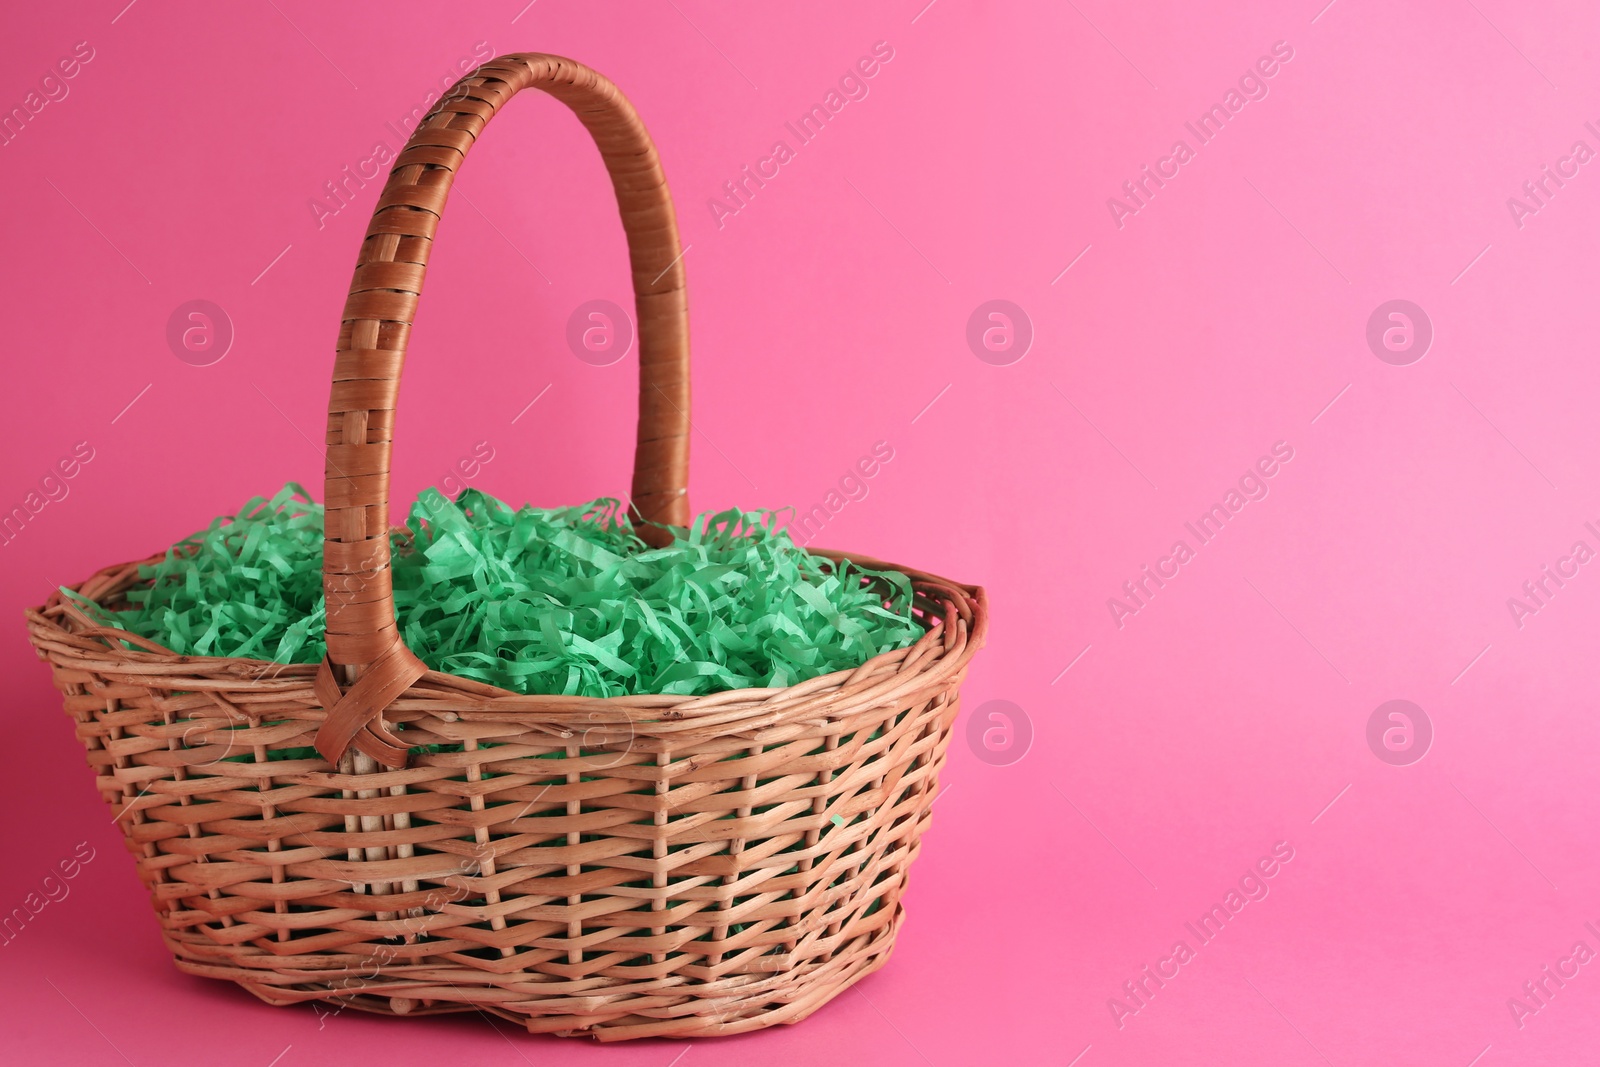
x=689 y=866
x=628 y=867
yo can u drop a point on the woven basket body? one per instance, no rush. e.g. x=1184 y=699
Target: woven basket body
x=626 y=867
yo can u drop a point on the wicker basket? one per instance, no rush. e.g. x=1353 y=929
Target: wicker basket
x=628 y=867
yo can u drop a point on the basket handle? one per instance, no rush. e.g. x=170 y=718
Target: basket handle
x=363 y=640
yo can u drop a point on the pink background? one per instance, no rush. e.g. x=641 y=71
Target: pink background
x=1221 y=318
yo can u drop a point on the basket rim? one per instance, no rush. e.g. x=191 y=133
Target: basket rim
x=945 y=649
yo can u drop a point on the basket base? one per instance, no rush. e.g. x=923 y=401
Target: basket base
x=666 y=1009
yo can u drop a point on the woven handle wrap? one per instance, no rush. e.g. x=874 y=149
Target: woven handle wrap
x=363 y=641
